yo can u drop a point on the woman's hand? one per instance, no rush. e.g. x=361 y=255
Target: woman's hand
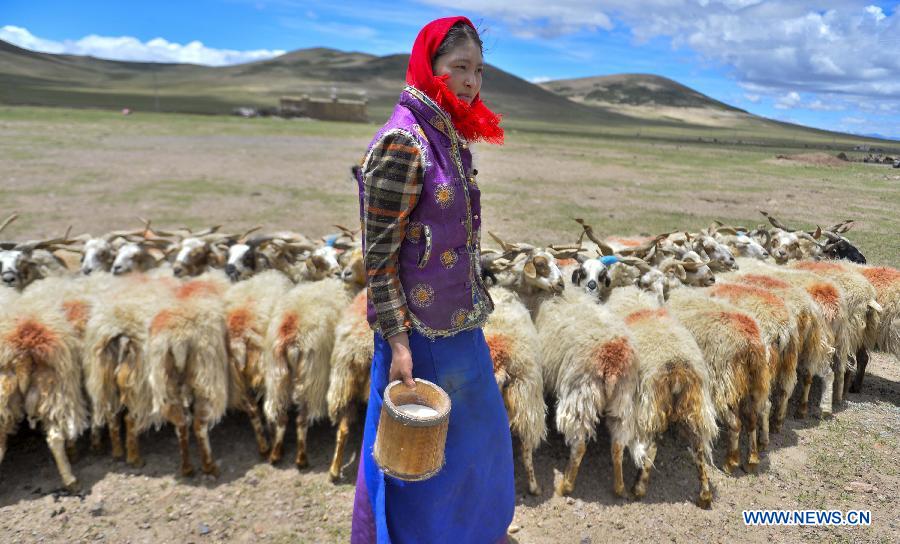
x=401 y=359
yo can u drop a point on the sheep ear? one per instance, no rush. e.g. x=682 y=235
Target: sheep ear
x=577 y=276
x=606 y=280
x=529 y=270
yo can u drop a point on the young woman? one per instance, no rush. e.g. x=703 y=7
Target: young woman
x=420 y=210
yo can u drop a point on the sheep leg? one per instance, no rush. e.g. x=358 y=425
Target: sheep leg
x=528 y=461
x=96 y=438
x=763 y=425
x=862 y=360
x=72 y=450
x=617 y=450
x=252 y=410
x=334 y=473
x=174 y=414
x=201 y=432
x=825 y=404
x=781 y=411
x=838 y=390
x=132 y=447
x=643 y=479
x=302 y=426
x=278 y=441
x=57 y=444
x=705 y=499
x=567 y=485
x=115 y=437
x=3 y=436
x=733 y=458
x=803 y=409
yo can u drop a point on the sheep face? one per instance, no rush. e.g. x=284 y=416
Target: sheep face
x=655 y=282
x=132 y=257
x=98 y=255
x=323 y=263
x=697 y=274
x=785 y=246
x=592 y=276
x=17 y=270
x=745 y=246
x=720 y=258
x=540 y=271
x=192 y=259
x=844 y=250
x=354 y=271
x=244 y=261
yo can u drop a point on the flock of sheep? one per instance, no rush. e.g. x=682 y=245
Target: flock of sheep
x=706 y=329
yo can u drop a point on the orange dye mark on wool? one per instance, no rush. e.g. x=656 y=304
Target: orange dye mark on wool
x=288 y=328
x=766 y=282
x=613 y=358
x=827 y=297
x=566 y=262
x=238 y=322
x=358 y=306
x=742 y=323
x=733 y=291
x=642 y=315
x=33 y=336
x=881 y=277
x=76 y=313
x=627 y=242
x=501 y=350
x=160 y=321
x=819 y=266
x=196 y=288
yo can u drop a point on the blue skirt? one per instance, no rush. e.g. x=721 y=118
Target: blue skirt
x=472 y=498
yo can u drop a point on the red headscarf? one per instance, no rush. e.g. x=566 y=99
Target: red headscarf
x=473 y=121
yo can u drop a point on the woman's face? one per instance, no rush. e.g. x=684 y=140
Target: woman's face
x=464 y=64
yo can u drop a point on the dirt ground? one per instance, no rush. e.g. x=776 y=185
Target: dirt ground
x=99 y=172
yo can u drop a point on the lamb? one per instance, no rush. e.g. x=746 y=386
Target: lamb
x=188 y=363
x=738 y=363
x=592 y=374
x=40 y=378
x=116 y=367
x=249 y=308
x=674 y=383
x=297 y=353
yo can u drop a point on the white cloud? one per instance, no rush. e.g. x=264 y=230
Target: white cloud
x=788 y=101
x=131 y=49
x=853 y=120
x=755 y=98
x=876 y=12
x=539 y=79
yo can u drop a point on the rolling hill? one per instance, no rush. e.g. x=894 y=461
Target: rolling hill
x=620 y=104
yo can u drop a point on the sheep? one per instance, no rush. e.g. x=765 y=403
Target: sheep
x=864 y=313
x=779 y=330
x=674 y=383
x=188 y=362
x=513 y=343
x=738 y=363
x=249 y=307
x=814 y=334
x=296 y=358
x=21 y=264
x=592 y=373
x=885 y=335
x=40 y=378
x=116 y=365
x=832 y=302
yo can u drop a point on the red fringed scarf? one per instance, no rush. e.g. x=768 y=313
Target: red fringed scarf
x=473 y=121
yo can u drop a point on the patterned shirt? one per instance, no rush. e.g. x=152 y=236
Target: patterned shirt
x=393 y=182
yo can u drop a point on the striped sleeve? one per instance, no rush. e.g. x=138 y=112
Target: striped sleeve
x=392 y=179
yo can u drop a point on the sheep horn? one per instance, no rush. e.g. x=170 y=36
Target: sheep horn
x=775 y=223
x=605 y=249
x=808 y=236
x=8 y=220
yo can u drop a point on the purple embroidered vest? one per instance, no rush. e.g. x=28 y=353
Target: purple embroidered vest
x=439 y=259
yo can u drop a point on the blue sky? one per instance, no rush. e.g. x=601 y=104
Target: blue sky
x=830 y=64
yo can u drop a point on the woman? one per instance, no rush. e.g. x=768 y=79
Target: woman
x=420 y=206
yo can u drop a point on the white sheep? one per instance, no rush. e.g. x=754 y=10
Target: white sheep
x=674 y=383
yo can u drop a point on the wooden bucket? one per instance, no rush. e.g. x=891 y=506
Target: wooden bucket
x=408 y=446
